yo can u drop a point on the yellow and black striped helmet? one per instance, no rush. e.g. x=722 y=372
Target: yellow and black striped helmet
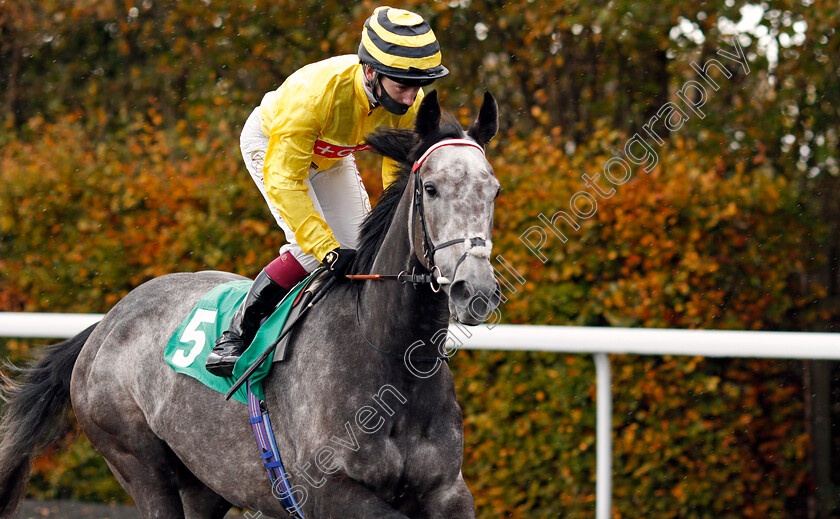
x=400 y=45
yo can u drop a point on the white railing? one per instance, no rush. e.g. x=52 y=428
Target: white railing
x=559 y=339
x=45 y=326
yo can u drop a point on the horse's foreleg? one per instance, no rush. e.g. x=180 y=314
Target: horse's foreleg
x=450 y=502
x=200 y=502
x=343 y=498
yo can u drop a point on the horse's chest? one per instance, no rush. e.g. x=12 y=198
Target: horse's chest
x=410 y=454
x=388 y=437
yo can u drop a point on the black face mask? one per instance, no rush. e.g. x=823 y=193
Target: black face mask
x=386 y=101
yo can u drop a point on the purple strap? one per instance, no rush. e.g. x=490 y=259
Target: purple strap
x=270 y=455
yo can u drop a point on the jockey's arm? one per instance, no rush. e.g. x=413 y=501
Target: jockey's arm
x=293 y=132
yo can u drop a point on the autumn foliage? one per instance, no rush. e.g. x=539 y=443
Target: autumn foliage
x=119 y=162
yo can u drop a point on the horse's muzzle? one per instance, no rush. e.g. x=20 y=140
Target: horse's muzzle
x=470 y=305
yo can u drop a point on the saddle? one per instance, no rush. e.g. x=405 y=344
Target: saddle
x=312 y=286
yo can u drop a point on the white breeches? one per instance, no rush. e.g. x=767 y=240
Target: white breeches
x=337 y=193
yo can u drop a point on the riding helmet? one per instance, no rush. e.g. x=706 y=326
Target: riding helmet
x=401 y=46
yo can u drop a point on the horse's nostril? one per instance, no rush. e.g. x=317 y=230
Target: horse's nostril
x=496 y=298
x=461 y=291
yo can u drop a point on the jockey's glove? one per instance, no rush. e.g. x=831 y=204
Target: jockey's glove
x=338 y=261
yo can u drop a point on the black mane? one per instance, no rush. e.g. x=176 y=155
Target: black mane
x=405 y=147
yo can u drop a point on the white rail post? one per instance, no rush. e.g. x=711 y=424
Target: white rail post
x=603 y=434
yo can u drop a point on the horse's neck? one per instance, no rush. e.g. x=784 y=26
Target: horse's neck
x=396 y=315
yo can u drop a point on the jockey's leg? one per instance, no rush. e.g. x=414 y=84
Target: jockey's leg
x=345 y=204
x=343 y=200
x=271 y=285
x=274 y=281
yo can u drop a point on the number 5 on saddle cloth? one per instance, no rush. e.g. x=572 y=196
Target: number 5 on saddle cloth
x=187 y=349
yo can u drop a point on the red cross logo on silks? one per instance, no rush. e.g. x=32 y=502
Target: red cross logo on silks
x=334 y=151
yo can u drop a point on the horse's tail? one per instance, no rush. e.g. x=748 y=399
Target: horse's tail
x=35 y=415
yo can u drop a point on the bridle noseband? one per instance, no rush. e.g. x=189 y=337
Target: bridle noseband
x=477 y=246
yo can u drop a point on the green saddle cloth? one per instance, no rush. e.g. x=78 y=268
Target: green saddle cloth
x=187 y=349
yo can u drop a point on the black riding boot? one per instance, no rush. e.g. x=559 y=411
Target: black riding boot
x=260 y=302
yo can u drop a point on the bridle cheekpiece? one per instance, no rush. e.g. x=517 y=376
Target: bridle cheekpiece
x=478 y=246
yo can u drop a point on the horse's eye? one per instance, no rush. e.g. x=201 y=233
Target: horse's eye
x=498 y=192
x=431 y=190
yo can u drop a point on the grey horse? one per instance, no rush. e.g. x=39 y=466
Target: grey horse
x=364 y=409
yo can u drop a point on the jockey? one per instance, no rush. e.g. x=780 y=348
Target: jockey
x=298 y=146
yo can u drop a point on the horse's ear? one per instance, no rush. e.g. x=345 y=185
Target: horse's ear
x=428 y=115
x=487 y=123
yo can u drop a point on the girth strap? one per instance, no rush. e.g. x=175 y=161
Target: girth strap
x=264 y=434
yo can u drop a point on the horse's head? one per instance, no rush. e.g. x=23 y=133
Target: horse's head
x=452 y=224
